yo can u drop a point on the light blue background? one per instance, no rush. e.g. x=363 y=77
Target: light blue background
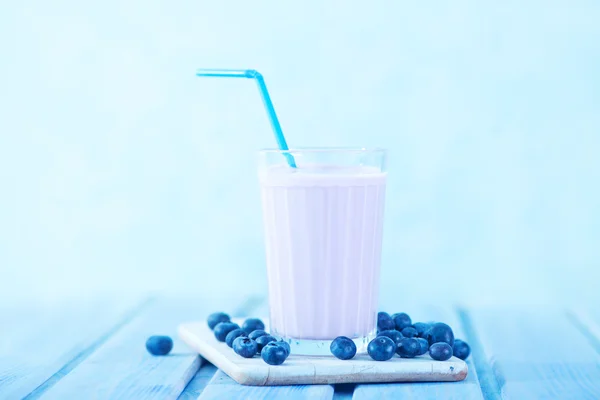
x=122 y=172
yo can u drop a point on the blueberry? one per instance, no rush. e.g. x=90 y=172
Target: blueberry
x=408 y=348
x=424 y=346
x=261 y=341
x=421 y=328
x=245 y=347
x=159 y=345
x=440 y=351
x=427 y=334
x=234 y=334
x=440 y=332
x=384 y=321
x=285 y=345
x=461 y=349
x=256 y=334
x=409 y=331
x=401 y=320
x=223 y=328
x=214 y=318
x=273 y=353
x=392 y=334
x=252 y=324
x=381 y=348
x=343 y=348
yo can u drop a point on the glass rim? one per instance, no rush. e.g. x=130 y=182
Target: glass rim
x=324 y=150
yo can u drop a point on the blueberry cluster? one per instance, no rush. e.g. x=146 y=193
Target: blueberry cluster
x=397 y=334
x=250 y=339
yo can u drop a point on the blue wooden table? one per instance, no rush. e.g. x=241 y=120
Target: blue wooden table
x=94 y=349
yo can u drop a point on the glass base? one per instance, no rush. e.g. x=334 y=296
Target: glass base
x=319 y=347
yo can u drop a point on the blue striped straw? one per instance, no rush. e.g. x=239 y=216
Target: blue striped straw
x=264 y=93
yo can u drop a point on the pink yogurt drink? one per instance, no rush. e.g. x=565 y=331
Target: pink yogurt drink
x=323 y=229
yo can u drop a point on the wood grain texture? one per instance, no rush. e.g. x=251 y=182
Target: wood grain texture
x=301 y=370
x=122 y=368
x=40 y=343
x=195 y=387
x=223 y=387
x=588 y=322
x=538 y=354
x=467 y=389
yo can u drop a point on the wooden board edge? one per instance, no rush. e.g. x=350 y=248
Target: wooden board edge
x=214 y=357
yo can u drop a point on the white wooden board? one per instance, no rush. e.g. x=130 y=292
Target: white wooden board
x=304 y=370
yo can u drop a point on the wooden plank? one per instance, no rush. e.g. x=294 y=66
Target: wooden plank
x=42 y=342
x=223 y=387
x=487 y=380
x=199 y=382
x=467 y=389
x=589 y=325
x=122 y=369
x=538 y=354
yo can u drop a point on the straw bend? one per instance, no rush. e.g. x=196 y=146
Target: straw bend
x=264 y=93
x=252 y=73
x=230 y=73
